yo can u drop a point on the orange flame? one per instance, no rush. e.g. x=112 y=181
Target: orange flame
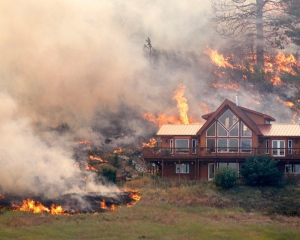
x=151 y=143
x=97 y=159
x=89 y=167
x=218 y=59
x=119 y=150
x=182 y=107
x=37 y=207
x=182 y=103
x=205 y=108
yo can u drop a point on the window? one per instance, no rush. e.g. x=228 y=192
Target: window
x=211 y=171
x=222 y=144
x=232 y=165
x=211 y=145
x=171 y=146
x=246 y=145
x=228 y=119
x=194 y=148
x=182 y=145
x=267 y=146
x=211 y=131
x=182 y=168
x=222 y=164
x=290 y=146
x=222 y=132
x=233 y=145
x=278 y=148
x=245 y=131
x=292 y=168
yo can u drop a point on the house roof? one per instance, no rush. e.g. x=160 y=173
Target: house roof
x=179 y=129
x=280 y=130
x=236 y=110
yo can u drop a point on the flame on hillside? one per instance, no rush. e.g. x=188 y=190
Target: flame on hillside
x=119 y=150
x=97 y=159
x=182 y=107
x=151 y=143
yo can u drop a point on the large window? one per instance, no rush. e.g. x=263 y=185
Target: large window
x=182 y=145
x=227 y=130
x=278 y=148
x=182 y=168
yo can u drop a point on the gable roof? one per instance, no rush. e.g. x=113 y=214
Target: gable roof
x=239 y=111
x=179 y=129
x=286 y=130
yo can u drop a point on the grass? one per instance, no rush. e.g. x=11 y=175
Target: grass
x=167 y=210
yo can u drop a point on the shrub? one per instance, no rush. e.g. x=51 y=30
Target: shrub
x=226 y=177
x=110 y=174
x=261 y=170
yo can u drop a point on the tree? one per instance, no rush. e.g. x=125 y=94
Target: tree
x=226 y=177
x=290 y=22
x=249 y=22
x=261 y=170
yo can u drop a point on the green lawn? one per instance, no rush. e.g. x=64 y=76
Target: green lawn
x=160 y=214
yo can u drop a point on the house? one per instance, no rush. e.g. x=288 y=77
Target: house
x=229 y=135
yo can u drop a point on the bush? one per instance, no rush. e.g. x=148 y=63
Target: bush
x=226 y=177
x=261 y=170
x=110 y=174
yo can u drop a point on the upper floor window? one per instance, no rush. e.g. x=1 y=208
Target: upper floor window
x=228 y=125
x=182 y=145
x=211 y=131
x=278 y=147
x=245 y=131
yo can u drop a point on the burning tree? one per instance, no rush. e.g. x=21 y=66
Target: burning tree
x=251 y=24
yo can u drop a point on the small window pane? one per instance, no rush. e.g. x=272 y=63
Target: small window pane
x=233 y=145
x=220 y=165
x=211 y=145
x=211 y=131
x=246 y=145
x=222 y=145
x=221 y=131
x=234 y=132
x=182 y=145
x=297 y=168
x=246 y=132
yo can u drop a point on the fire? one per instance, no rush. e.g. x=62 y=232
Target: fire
x=151 y=143
x=37 y=207
x=182 y=107
x=134 y=195
x=218 y=59
x=119 y=150
x=182 y=103
x=233 y=86
x=288 y=104
x=96 y=158
x=89 y=167
x=205 y=108
x=105 y=207
x=161 y=119
x=84 y=142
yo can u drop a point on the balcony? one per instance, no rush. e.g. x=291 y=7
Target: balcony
x=241 y=152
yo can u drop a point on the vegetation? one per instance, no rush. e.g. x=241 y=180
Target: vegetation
x=251 y=24
x=110 y=174
x=170 y=209
x=226 y=177
x=261 y=170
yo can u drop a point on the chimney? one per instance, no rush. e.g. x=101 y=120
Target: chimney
x=236 y=100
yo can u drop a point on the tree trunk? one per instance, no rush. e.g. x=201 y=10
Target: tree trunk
x=259 y=34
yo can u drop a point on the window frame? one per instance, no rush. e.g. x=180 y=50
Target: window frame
x=182 y=168
x=278 y=149
x=182 y=150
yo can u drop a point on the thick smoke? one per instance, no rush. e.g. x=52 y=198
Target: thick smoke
x=82 y=64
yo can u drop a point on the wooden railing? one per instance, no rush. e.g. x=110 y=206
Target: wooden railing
x=157 y=152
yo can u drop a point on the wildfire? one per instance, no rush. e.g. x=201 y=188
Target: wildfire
x=134 y=195
x=97 y=159
x=288 y=104
x=119 y=150
x=233 y=86
x=105 y=207
x=37 y=207
x=151 y=143
x=182 y=103
x=89 y=167
x=218 y=59
x=84 y=142
x=182 y=107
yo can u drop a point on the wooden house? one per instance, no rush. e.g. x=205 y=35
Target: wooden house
x=229 y=135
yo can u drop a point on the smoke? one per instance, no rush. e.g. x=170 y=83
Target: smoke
x=81 y=64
